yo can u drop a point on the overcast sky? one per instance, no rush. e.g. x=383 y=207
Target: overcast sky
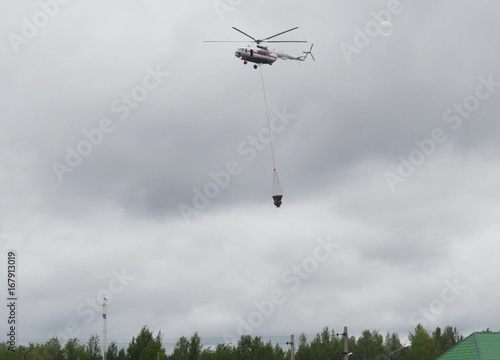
x=136 y=164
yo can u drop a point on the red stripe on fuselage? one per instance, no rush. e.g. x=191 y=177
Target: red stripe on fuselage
x=267 y=55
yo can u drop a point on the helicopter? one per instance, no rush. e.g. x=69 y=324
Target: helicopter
x=261 y=54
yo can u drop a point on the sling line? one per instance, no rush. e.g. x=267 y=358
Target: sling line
x=277 y=193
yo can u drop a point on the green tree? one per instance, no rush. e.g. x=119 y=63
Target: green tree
x=326 y=345
x=146 y=347
x=181 y=350
x=93 y=349
x=73 y=350
x=7 y=354
x=303 y=351
x=445 y=340
x=392 y=343
x=34 y=352
x=224 y=352
x=154 y=350
x=52 y=349
x=208 y=354
x=22 y=351
x=423 y=346
x=190 y=349
x=243 y=350
x=249 y=348
x=280 y=354
x=195 y=347
x=139 y=343
x=370 y=345
x=112 y=351
x=352 y=348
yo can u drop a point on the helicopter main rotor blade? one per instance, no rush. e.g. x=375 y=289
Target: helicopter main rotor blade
x=251 y=37
x=270 y=37
x=258 y=41
x=272 y=41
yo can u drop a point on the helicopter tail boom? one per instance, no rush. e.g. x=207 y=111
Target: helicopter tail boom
x=284 y=56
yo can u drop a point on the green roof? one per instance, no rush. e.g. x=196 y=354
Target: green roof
x=476 y=346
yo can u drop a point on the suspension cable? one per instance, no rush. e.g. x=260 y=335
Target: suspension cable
x=268 y=121
x=277 y=193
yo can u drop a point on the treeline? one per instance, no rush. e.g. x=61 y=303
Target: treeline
x=326 y=345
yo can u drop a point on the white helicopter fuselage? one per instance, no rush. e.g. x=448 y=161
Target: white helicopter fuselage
x=259 y=55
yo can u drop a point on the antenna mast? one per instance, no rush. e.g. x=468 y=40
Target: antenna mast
x=346 y=346
x=292 y=347
x=104 y=332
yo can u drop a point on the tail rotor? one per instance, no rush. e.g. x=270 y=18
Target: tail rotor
x=309 y=53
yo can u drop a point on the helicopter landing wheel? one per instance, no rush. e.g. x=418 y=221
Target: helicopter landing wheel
x=255 y=66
